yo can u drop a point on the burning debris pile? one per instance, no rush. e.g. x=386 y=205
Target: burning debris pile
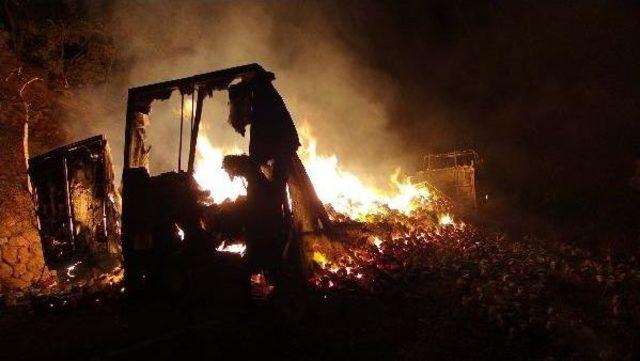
x=526 y=287
x=383 y=246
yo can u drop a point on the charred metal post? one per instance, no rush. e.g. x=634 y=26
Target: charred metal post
x=195 y=128
x=181 y=126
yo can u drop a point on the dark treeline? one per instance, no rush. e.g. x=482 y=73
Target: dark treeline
x=69 y=40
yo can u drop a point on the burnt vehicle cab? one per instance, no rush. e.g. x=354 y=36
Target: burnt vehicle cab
x=165 y=244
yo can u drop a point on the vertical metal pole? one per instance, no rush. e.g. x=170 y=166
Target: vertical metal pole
x=194 y=132
x=181 y=124
x=128 y=132
x=193 y=105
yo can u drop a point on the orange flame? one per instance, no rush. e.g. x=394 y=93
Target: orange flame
x=341 y=189
x=237 y=248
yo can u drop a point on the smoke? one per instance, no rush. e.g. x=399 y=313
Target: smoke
x=545 y=91
x=324 y=84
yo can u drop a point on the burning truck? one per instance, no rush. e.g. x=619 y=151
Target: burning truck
x=280 y=215
x=170 y=222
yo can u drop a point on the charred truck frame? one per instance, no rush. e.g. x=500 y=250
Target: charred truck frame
x=77 y=207
x=162 y=216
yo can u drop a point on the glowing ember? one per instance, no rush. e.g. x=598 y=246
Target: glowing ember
x=446 y=220
x=261 y=289
x=180 y=232
x=72 y=268
x=378 y=243
x=237 y=248
x=320 y=259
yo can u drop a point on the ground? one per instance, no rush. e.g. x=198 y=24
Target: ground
x=496 y=299
x=389 y=326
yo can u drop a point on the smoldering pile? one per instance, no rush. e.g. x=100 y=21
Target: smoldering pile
x=524 y=287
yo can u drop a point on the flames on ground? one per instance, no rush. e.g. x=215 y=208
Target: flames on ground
x=380 y=230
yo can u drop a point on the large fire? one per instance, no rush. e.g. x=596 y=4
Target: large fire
x=345 y=192
x=392 y=226
x=210 y=175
